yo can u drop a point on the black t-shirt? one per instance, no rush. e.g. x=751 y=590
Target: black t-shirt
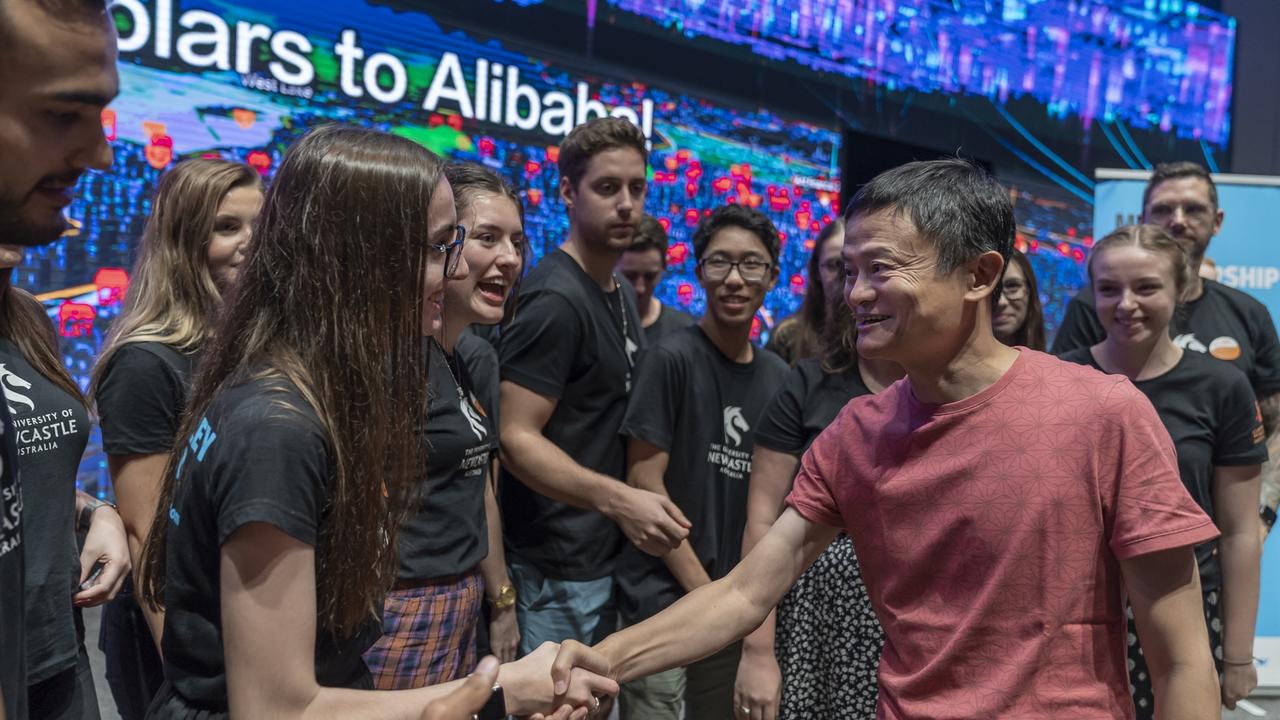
x=669 y=320
x=259 y=454
x=566 y=342
x=702 y=409
x=51 y=429
x=1212 y=416
x=448 y=534
x=805 y=405
x=13 y=657
x=140 y=398
x=1223 y=322
x=481 y=361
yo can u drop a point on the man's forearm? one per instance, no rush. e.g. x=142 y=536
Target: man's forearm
x=549 y=471
x=684 y=565
x=697 y=625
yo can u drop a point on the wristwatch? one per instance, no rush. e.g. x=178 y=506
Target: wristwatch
x=86 y=513
x=1268 y=515
x=506 y=597
x=496 y=708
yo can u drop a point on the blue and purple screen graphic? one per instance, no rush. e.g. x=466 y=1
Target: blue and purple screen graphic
x=1163 y=64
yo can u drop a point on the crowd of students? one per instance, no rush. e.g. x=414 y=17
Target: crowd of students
x=902 y=507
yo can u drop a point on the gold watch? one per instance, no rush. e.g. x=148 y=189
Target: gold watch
x=506 y=597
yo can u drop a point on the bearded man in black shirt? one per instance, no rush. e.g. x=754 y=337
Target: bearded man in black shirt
x=1218 y=320
x=57 y=73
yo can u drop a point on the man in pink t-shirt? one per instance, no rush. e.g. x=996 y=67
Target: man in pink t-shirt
x=1002 y=503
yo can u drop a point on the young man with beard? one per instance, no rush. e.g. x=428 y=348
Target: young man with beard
x=1224 y=322
x=57 y=73
x=566 y=373
x=1002 y=502
x=690 y=426
x=643 y=265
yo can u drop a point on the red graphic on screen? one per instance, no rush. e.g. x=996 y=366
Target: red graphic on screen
x=75 y=319
x=244 y=118
x=112 y=284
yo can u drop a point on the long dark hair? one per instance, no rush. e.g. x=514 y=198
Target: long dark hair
x=839 y=338
x=1031 y=334
x=809 y=323
x=23 y=323
x=330 y=297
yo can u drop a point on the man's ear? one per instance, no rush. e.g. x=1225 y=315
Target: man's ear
x=984 y=273
x=566 y=192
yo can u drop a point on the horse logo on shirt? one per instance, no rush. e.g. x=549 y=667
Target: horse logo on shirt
x=1188 y=341
x=473 y=419
x=734 y=424
x=12 y=384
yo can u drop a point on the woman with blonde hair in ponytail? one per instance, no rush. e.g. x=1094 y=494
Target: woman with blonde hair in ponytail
x=189 y=256
x=1140 y=274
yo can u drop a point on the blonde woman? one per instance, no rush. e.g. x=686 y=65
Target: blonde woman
x=190 y=253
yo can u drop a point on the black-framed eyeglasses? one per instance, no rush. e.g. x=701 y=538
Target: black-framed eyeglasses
x=751 y=270
x=452 y=251
x=1013 y=289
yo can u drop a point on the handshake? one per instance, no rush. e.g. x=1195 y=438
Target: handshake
x=554 y=682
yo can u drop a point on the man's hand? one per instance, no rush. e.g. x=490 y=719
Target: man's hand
x=504 y=633
x=466 y=701
x=107 y=544
x=648 y=519
x=758 y=690
x=528 y=683
x=1237 y=682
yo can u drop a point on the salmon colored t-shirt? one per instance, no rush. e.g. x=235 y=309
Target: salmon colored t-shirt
x=989 y=532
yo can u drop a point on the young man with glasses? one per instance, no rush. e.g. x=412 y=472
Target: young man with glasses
x=566 y=373
x=690 y=428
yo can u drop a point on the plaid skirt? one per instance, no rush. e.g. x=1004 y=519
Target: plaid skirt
x=428 y=633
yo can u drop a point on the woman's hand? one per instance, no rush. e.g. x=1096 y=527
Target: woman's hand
x=466 y=701
x=1237 y=682
x=107 y=544
x=527 y=683
x=758 y=690
x=504 y=634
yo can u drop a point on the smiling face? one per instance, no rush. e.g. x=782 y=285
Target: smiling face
x=731 y=300
x=1184 y=207
x=1135 y=292
x=56 y=76
x=443 y=219
x=607 y=202
x=230 y=237
x=903 y=309
x=492 y=252
x=1011 y=308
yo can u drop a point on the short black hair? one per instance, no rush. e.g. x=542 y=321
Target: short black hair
x=594 y=137
x=62 y=10
x=1174 y=171
x=736 y=216
x=954 y=203
x=650 y=235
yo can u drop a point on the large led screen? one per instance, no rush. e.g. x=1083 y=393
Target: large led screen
x=242 y=80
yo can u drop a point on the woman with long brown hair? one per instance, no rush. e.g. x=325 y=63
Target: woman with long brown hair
x=274 y=542
x=190 y=252
x=817 y=655
x=451 y=556
x=51 y=427
x=1017 y=317
x=800 y=336
x=1140 y=274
